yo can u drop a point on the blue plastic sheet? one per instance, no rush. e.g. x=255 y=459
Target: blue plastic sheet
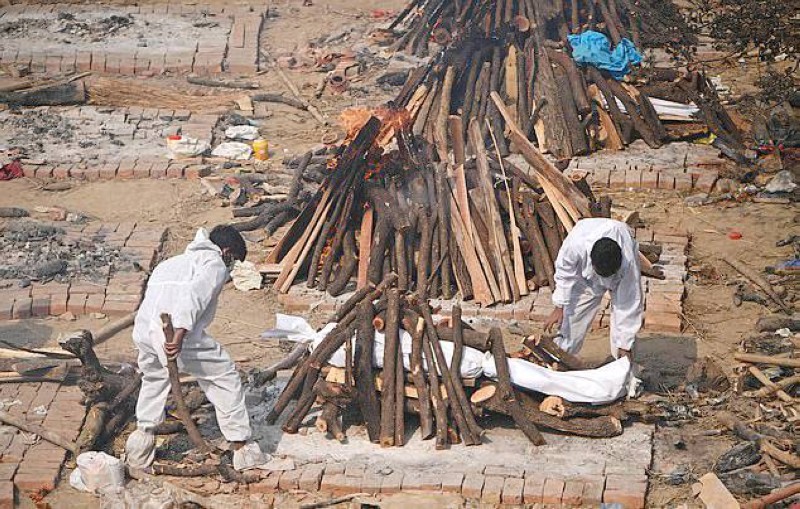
x=594 y=48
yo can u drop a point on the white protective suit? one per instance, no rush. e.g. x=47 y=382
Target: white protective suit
x=579 y=290
x=186 y=287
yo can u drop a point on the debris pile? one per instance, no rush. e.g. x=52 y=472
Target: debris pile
x=35 y=251
x=401 y=362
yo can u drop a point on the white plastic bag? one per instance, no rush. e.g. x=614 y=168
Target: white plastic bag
x=242 y=132
x=97 y=470
x=246 y=276
x=186 y=147
x=232 y=150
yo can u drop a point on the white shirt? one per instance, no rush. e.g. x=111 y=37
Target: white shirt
x=574 y=269
x=187 y=287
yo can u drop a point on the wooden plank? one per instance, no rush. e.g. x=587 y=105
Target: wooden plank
x=300 y=250
x=364 y=246
x=480 y=285
x=519 y=265
x=613 y=140
x=499 y=252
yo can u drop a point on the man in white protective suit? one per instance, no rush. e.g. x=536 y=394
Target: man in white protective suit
x=598 y=255
x=187 y=288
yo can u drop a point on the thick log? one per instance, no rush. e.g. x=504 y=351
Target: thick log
x=632 y=108
x=773 y=323
x=458 y=343
x=576 y=82
x=380 y=242
x=549 y=226
x=768 y=360
x=459 y=406
x=488 y=398
x=389 y=376
x=416 y=327
x=437 y=401
x=443 y=211
x=364 y=247
x=399 y=399
x=366 y=393
x=440 y=129
x=471 y=338
x=624 y=124
x=328 y=421
x=348 y=264
x=506 y=393
x=51 y=94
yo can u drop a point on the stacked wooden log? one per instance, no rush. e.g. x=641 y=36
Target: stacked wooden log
x=520 y=51
x=447 y=405
x=484 y=228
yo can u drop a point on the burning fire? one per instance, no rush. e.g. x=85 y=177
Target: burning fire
x=353 y=119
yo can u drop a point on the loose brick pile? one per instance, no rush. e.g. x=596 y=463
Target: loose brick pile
x=232 y=46
x=492 y=485
x=33 y=467
x=663 y=299
x=119 y=293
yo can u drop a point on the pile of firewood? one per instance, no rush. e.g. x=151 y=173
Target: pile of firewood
x=520 y=51
x=483 y=228
x=446 y=404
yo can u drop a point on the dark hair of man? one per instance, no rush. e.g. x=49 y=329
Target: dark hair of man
x=606 y=257
x=226 y=236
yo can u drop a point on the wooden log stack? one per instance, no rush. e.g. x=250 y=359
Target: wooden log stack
x=519 y=49
x=482 y=228
x=429 y=384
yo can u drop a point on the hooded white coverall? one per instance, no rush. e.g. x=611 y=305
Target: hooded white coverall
x=579 y=290
x=187 y=287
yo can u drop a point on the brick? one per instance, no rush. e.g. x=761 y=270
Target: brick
x=108 y=171
x=532 y=491
x=22 y=308
x=40 y=307
x=666 y=181
x=513 y=490
x=311 y=477
x=371 y=483
x=452 y=481
x=6 y=308
x=552 y=490
x=332 y=482
x=592 y=494
x=431 y=481
x=503 y=471
x=268 y=484
x=77 y=303
x=6 y=495
x=412 y=481
x=196 y=171
x=175 y=171
x=355 y=469
x=649 y=180
x=289 y=480
x=631 y=498
x=7 y=471
x=94 y=303
x=664 y=322
x=111 y=307
x=617 y=179
x=98 y=62
x=633 y=179
x=492 y=489
x=683 y=182
x=392 y=483
x=44 y=172
x=39 y=480
x=573 y=491
x=142 y=169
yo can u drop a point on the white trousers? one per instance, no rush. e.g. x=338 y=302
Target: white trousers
x=578 y=317
x=216 y=375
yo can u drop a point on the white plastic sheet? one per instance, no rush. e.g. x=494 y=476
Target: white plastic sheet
x=597 y=386
x=232 y=150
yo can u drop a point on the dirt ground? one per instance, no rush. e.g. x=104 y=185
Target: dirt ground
x=715 y=327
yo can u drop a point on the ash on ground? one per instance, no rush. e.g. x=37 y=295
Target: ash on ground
x=33 y=251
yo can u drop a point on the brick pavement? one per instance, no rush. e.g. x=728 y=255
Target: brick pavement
x=487 y=487
x=28 y=464
x=118 y=294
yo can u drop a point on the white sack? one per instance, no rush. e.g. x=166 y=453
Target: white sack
x=242 y=132
x=598 y=386
x=97 y=470
x=246 y=276
x=232 y=150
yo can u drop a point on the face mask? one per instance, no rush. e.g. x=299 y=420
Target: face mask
x=229 y=260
